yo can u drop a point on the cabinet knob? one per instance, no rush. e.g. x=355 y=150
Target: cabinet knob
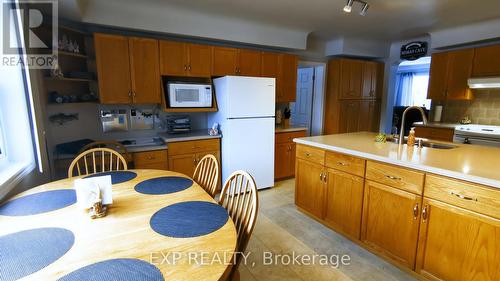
x=189 y=68
x=321 y=176
x=393 y=178
x=342 y=164
x=463 y=196
x=185 y=67
x=415 y=211
x=425 y=213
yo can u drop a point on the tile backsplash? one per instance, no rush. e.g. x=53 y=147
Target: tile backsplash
x=483 y=109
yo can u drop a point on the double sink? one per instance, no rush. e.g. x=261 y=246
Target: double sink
x=425 y=143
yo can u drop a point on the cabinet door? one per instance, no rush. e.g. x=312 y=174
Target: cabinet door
x=145 y=70
x=459 y=70
x=173 y=58
x=349 y=116
x=113 y=68
x=249 y=63
x=370 y=70
x=438 y=76
x=281 y=158
x=351 y=79
x=390 y=222
x=269 y=68
x=486 y=61
x=184 y=164
x=292 y=152
x=456 y=244
x=344 y=202
x=200 y=60
x=369 y=116
x=309 y=187
x=288 y=77
x=225 y=61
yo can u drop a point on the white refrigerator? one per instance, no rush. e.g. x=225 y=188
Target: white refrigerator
x=246 y=120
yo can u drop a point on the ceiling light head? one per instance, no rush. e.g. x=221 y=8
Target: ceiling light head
x=348 y=6
x=364 y=9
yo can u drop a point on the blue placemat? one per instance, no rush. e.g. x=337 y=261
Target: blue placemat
x=38 y=203
x=116 y=176
x=116 y=270
x=26 y=252
x=163 y=185
x=189 y=219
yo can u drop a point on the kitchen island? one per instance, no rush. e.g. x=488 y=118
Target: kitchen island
x=432 y=212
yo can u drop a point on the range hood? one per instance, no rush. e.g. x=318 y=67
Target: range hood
x=484 y=83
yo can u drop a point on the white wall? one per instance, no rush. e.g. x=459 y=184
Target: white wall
x=167 y=18
x=471 y=33
x=358 y=47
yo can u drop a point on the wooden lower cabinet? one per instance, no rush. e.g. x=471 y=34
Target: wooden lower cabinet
x=186 y=163
x=157 y=159
x=344 y=202
x=309 y=187
x=391 y=222
x=457 y=244
x=284 y=154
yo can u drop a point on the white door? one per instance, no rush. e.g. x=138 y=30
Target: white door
x=248 y=144
x=301 y=109
x=250 y=97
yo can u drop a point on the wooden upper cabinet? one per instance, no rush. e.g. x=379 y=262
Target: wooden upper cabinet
x=370 y=80
x=113 y=68
x=438 y=76
x=249 y=63
x=287 y=78
x=391 y=221
x=460 y=69
x=351 y=79
x=448 y=75
x=173 y=58
x=269 y=65
x=184 y=59
x=225 y=61
x=199 y=60
x=145 y=70
x=486 y=61
x=457 y=244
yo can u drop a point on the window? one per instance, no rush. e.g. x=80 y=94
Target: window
x=412 y=82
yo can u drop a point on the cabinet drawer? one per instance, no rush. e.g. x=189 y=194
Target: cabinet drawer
x=349 y=164
x=289 y=136
x=469 y=196
x=309 y=153
x=186 y=147
x=149 y=157
x=397 y=177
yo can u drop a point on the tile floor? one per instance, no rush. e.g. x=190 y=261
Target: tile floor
x=282 y=229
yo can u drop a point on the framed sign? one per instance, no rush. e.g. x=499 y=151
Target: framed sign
x=413 y=50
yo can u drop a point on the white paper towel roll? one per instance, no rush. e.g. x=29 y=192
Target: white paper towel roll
x=438 y=111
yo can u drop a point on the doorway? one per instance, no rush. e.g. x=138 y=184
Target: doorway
x=307 y=110
x=412 y=79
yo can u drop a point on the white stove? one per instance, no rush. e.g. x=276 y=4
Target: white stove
x=477 y=134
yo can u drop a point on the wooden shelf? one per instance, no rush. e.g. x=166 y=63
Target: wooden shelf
x=69 y=79
x=70 y=54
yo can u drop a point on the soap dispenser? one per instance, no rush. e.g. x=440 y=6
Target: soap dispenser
x=411 y=137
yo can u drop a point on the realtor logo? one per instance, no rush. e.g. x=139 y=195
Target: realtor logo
x=36 y=23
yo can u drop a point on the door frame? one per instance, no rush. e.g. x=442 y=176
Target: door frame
x=318 y=99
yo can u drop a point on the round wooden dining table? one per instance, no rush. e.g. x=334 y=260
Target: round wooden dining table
x=125 y=233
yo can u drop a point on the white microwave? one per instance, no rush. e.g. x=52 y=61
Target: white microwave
x=189 y=95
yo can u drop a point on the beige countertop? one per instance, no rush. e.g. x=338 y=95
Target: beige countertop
x=193 y=135
x=436 y=125
x=473 y=163
x=280 y=129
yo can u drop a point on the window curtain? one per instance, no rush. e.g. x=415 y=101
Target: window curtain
x=404 y=88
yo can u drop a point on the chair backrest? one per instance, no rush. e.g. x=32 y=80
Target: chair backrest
x=206 y=174
x=239 y=198
x=97 y=160
x=119 y=147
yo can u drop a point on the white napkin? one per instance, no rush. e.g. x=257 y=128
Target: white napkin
x=87 y=191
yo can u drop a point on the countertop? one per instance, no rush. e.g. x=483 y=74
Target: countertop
x=280 y=129
x=193 y=135
x=473 y=163
x=437 y=125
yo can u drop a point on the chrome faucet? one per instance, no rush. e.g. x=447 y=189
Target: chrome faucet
x=402 y=132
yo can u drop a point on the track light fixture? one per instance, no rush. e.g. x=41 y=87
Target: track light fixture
x=364 y=8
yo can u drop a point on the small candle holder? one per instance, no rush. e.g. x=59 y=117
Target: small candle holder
x=98 y=210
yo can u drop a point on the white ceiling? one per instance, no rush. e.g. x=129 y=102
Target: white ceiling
x=386 y=20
